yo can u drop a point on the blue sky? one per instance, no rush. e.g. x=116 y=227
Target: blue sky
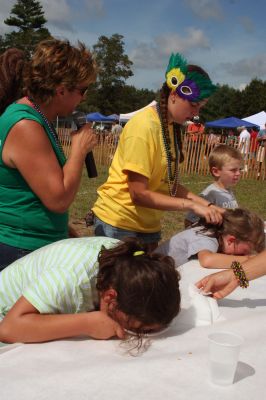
x=226 y=37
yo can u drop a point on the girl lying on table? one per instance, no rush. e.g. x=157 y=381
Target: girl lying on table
x=217 y=246
x=90 y=286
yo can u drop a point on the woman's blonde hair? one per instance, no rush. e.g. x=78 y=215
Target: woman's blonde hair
x=55 y=62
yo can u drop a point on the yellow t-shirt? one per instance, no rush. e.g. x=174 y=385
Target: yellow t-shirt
x=140 y=150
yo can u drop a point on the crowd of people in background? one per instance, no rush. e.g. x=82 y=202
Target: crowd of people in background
x=250 y=141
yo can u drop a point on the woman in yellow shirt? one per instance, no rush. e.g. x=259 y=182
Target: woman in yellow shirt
x=143 y=179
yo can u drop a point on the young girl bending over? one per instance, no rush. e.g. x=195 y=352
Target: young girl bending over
x=240 y=235
x=95 y=287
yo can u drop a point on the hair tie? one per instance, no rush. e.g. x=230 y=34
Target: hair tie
x=138 y=253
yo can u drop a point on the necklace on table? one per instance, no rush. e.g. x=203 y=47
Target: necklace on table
x=50 y=126
x=172 y=175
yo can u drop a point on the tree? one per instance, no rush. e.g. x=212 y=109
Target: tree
x=253 y=97
x=222 y=104
x=114 y=65
x=114 y=68
x=28 y=17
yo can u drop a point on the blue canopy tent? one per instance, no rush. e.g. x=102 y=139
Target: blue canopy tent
x=98 y=117
x=231 y=122
x=115 y=117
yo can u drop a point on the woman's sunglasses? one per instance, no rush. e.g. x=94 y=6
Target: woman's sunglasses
x=82 y=90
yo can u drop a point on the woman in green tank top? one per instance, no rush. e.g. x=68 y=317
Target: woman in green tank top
x=37 y=183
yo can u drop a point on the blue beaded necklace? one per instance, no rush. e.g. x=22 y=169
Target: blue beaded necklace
x=172 y=176
x=49 y=124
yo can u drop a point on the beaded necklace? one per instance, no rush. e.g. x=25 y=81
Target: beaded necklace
x=49 y=124
x=172 y=176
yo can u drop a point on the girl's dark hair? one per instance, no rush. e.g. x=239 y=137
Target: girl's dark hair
x=245 y=225
x=12 y=62
x=147 y=285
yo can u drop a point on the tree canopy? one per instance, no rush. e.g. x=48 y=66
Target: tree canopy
x=28 y=17
x=114 y=65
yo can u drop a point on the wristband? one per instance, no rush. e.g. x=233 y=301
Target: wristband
x=240 y=274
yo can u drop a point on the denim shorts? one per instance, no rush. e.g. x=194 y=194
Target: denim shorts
x=103 y=229
x=9 y=254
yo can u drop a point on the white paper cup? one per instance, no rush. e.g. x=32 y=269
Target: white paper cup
x=223 y=356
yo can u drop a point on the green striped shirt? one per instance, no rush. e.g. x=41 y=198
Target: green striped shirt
x=56 y=279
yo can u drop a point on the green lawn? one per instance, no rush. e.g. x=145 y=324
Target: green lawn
x=250 y=194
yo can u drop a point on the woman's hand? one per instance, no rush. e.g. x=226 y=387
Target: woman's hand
x=72 y=233
x=84 y=139
x=101 y=326
x=219 y=284
x=212 y=214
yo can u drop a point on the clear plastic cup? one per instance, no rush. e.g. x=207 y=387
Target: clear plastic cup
x=224 y=350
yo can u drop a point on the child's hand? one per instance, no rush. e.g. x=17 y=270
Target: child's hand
x=101 y=326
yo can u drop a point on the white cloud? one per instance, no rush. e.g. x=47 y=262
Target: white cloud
x=95 y=7
x=206 y=9
x=60 y=14
x=6 y=6
x=149 y=55
x=247 y=67
x=56 y=10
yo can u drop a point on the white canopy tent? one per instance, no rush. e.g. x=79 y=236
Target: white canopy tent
x=258 y=119
x=126 y=117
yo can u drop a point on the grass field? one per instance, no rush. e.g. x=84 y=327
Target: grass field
x=250 y=194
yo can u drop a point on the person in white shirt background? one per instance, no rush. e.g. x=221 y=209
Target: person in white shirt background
x=243 y=143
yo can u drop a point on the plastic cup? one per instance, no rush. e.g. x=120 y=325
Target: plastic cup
x=224 y=350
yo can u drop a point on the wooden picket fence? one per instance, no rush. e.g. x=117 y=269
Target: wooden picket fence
x=196 y=154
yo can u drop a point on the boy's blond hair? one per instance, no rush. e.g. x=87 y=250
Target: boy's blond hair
x=222 y=154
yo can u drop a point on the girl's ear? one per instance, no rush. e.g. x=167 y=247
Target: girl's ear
x=230 y=239
x=109 y=296
x=229 y=242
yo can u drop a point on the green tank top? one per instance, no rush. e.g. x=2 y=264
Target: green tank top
x=24 y=221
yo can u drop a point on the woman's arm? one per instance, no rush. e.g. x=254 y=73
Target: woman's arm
x=184 y=192
x=28 y=149
x=223 y=283
x=142 y=196
x=25 y=324
x=208 y=259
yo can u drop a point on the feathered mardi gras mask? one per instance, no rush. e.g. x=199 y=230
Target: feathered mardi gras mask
x=190 y=85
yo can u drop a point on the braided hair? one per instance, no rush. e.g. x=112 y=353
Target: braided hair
x=163 y=103
x=11 y=66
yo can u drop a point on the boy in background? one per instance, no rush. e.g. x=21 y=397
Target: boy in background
x=225 y=164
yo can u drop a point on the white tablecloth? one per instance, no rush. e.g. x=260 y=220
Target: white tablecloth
x=175 y=367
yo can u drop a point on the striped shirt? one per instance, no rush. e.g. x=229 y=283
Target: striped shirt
x=56 y=279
